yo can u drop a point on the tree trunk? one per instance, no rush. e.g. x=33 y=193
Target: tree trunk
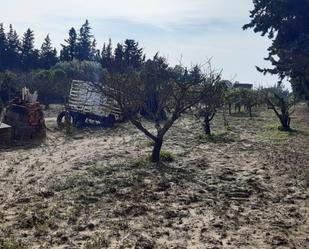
x=155 y=157
x=250 y=111
x=207 y=125
x=230 y=109
x=285 y=122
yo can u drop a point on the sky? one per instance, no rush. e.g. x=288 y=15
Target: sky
x=190 y=31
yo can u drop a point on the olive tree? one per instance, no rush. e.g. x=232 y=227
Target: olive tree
x=282 y=103
x=250 y=98
x=176 y=89
x=242 y=97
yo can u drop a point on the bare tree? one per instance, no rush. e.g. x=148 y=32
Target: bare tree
x=175 y=90
x=212 y=99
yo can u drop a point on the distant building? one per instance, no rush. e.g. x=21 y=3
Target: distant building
x=243 y=85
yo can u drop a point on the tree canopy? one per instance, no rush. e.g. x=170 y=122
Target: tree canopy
x=286 y=23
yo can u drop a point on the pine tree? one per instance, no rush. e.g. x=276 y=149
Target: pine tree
x=95 y=53
x=48 y=55
x=107 y=56
x=119 y=58
x=68 y=52
x=84 y=43
x=133 y=55
x=13 y=56
x=3 y=48
x=29 y=56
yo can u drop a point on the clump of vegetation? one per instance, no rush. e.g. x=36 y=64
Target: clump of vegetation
x=141 y=162
x=12 y=243
x=166 y=156
x=40 y=221
x=98 y=241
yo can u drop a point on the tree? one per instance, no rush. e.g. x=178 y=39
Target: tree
x=3 y=48
x=250 y=98
x=29 y=55
x=95 y=53
x=8 y=86
x=210 y=102
x=175 y=96
x=80 y=70
x=48 y=55
x=13 y=45
x=286 y=22
x=107 y=56
x=52 y=85
x=133 y=55
x=155 y=72
x=281 y=102
x=84 y=43
x=68 y=52
x=118 y=65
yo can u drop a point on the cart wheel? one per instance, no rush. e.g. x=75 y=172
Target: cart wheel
x=63 y=118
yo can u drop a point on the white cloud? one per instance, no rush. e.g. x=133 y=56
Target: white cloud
x=156 y=12
x=195 y=29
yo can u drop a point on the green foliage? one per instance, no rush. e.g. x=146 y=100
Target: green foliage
x=286 y=23
x=29 y=55
x=48 y=55
x=12 y=52
x=69 y=51
x=9 y=86
x=243 y=96
x=52 y=85
x=84 y=43
x=3 y=45
x=81 y=70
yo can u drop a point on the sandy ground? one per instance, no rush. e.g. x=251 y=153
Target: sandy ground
x=242 y=188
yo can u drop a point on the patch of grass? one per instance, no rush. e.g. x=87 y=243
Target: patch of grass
x=40 y=221
x=215 y=137
x=98 y=241
x=119 y=225
x=76 y=180
x=141 y=161
x=98 y=170
x=12 y=243
x=41 y=229
x=166 y=156
x=277 y=135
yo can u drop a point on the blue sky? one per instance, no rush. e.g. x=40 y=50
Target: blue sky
x=190 y=30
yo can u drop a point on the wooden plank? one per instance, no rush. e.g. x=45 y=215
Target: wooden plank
x=5 y=134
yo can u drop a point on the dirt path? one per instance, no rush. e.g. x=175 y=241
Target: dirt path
x=245 y=188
